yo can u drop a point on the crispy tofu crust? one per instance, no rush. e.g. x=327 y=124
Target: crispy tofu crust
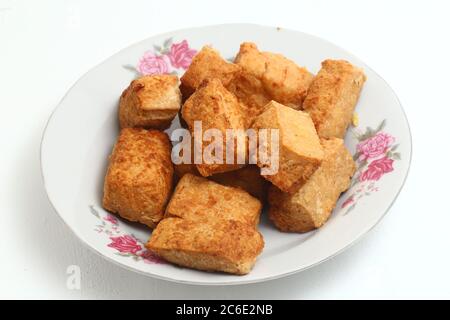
x=206 y=64
x=208 y=226
x=268 y=76
x=219 y=245
x=247 y=178
x=197 y=198
x=332 y=97
x=300 y=151
x=185 y=168
x=251 y=93
x=311 y=206
x=217 y=109
x=150 y=102
x=138 y=182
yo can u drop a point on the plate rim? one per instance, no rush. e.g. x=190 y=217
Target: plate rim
x=234 y=282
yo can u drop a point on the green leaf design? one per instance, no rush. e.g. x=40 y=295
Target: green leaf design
x=122 y=254
x=356 y=156
x=93 y=211
x=363 y=163
x=355 y=181
x=132 y=69
x=168 y=43
x=369 y=133
x=394 y=147
x=396 y=156
x=350 y=209
x=381 y=126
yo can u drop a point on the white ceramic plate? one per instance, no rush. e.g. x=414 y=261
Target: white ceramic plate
x=83 y=128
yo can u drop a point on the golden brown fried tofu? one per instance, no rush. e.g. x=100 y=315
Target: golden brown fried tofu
x=300 y=152
x=197 y=198
x=150 y=102
x=206 y=64
x=185 y=168
x=217 y=109
x=219 y=245
x=138 y=182
x=311 y=206
x=268 y=76
x=250 y=91
x=332 y=97
x=247 y=178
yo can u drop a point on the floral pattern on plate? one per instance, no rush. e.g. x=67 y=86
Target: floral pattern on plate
x=125 y=245
x=375 y=155
x=168 y=58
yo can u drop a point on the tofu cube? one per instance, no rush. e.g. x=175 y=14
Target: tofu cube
x=197 y=198
x=185 y=168
x=150 y=102
x=138 y=182
x=300 y=151
x=220 y=245
x=268 y=76
x=311 y=206
x=217 y=109
x=206 y=64
x=247 y=178
x=250 y=91
x=332 y=97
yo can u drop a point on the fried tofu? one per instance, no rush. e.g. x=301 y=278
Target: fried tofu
x=206 y=64
x=247 y=178
x=332 y=97
x=217 y=109
x=150 y=102
x=197 y=198
x=268 y=76
x=139 y=179
x=220 y=245
x=311 y=206
x=250 y=91
x=185 y=168
x=208 y=226
x=300 y=151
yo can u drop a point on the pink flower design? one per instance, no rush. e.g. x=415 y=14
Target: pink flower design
x=374 y=146
x=151 y=63
x=111 y=219
x=377 y=169
x=150 y=257
x=125 y=244
x=181 y=55
x=347 y=202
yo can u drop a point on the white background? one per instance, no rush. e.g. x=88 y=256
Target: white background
x=45 y=46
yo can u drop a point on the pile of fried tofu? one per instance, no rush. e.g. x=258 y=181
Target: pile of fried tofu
x=205 y=216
